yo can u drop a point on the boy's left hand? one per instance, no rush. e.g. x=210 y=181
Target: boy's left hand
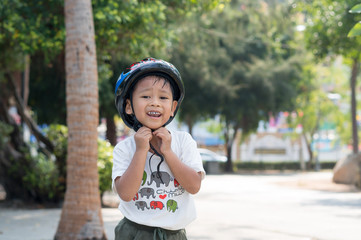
x=163 y=139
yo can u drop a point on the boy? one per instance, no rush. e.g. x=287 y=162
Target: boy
x=156 y=170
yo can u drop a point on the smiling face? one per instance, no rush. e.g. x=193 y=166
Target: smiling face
x=152 y=102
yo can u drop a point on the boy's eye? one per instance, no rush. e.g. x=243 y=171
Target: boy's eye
x=163 y=97
x=145 y=97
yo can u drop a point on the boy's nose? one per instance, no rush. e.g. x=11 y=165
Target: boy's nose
x=155 y=102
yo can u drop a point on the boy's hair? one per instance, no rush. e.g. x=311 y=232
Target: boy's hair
x=139 y=70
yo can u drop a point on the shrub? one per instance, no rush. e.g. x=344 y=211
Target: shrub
x=45 y=177
x=42 y=178
x=45 y=173
x=105 y=164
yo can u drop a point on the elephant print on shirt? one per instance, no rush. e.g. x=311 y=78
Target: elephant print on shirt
x=141 y=205
x=159 y=196
x=156 y=204
x=144 y=178
x=147 y=192
x=172 y=205
x=162 y=177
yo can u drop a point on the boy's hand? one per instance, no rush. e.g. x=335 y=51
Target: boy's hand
x=163 y=139
x=142 y=138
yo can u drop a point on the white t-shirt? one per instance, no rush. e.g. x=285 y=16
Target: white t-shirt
x=160 y=202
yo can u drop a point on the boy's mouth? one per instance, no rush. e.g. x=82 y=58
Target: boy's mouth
x=154 y=114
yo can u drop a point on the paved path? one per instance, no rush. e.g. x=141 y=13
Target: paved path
x=244 y=207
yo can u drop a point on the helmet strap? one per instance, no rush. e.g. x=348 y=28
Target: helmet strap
x=136 y=124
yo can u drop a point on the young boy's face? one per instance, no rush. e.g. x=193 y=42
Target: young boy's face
x=152 y=102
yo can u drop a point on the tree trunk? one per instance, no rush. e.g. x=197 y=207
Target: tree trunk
x=81 y=214
x=229 y=139
x=190 y=124
x=355 y=67
x=229 y=166
x=111 y=132
x=310 y=152
x=26 y=80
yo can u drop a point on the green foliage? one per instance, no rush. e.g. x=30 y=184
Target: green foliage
x=47 y=77
x=33 y=25
x=105 y=164
x=356 y=30
x=328 y=24
x=42 y=178
x=212 y=126
x=127 y=31
x=240 y=62
x=45 y=176
x=34 y=28
x=58 y=135
x=5 y=130
x=240 y=59
x=138 y=28
x=124 y=29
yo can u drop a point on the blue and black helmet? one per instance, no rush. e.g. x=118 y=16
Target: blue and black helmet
x=138 y=70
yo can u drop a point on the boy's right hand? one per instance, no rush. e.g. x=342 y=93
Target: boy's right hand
x=142 y=138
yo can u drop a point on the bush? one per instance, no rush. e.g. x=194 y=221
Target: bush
x=45 y=177
x=5 y=131
x=42 y=178
x=58 y=135
x=45 y=173
x=105 y=164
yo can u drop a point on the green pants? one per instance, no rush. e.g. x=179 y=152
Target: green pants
x=128 y=230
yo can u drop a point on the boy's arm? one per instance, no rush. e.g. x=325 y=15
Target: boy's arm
x=128 y=184
x=187 y=177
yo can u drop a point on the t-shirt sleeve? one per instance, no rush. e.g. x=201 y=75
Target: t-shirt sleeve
x=121 y=159
x=190 y=154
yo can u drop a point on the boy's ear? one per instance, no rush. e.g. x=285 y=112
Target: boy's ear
x=174 y=106
x=128 y=107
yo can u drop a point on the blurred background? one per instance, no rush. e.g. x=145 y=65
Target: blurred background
x=270 y=85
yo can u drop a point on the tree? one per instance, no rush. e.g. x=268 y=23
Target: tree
x=314 y=110
x=36 y=29
x=356 y=30
x=25 y=28
x=328 y=24
x=81 y=214
x=130 y=30
x=189 y=54
x=251 y=51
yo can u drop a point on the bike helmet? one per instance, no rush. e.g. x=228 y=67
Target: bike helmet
x=138 y=70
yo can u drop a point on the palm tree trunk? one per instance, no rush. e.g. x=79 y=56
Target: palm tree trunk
x=81 y=214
